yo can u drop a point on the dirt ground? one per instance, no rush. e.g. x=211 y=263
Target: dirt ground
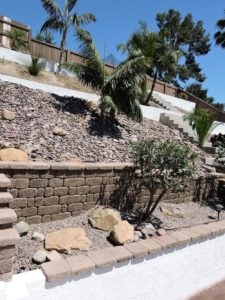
x=16 y=70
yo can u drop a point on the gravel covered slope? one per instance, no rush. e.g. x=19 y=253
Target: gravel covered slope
x=37 y=113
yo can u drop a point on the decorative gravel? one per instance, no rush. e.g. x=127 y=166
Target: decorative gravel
x=38 y=113
x=194 y=214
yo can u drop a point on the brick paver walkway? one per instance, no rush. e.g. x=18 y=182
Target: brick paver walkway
x=217 y=292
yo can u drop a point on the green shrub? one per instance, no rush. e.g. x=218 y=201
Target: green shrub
x=35 y=67
x=164 y=166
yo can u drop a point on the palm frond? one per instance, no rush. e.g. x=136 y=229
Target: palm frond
x=71 y=4
x=52 y=8
x=84 y=19
x=52 y=24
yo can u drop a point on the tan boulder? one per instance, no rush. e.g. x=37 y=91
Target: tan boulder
x=59 y=131
x=122 y=233
x=104 y=218
x=8 y=115
x=66 y=239
x=12 y=154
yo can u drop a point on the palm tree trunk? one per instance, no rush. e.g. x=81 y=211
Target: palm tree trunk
x=149 y=97
x=62 y=50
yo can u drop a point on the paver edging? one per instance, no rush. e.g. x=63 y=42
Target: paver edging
x=136 y=250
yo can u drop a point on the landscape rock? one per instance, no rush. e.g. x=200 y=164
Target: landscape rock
x=66 y=239
x=173 y=212
x=40 y=256
x=53 y=255
x=148 y=229
x=161 y=232
x=8 y=115
x=12 y=154
x=105 y=218
x=122 y=233
x=37 y=236
x=22 y=228
x=59 y=131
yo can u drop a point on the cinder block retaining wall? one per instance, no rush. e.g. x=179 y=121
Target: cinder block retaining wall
x=47 y=192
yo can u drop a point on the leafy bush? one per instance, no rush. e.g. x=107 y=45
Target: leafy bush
x=35 y=67
x=164 y=166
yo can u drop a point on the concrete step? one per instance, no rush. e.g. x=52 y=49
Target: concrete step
x=7 y=216
x=5 y=198
x=4 y=181
x=9 y=237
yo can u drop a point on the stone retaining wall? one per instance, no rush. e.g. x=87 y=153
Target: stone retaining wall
x=47 y=192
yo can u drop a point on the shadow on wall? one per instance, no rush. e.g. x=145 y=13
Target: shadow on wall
x=130 y=193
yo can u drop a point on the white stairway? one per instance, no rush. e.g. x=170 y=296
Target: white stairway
x=178 y=122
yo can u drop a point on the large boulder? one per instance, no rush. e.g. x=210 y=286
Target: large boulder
x=8 y=115
x=12 y=154
x=104 y=218
x=122 y=233
x=66 y=239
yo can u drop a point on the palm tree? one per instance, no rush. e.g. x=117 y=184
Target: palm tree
x=220 y=35
x=160 y=56
x=119 y=91
x=202 y=121
x=63 y=20
x=17 y=39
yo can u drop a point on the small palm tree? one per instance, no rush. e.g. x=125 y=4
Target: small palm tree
x=220 y=35
x=161 y=58
x=35 y=66
x=62 y=20
x=17 y=39
x=120 y=90
x=202 y=121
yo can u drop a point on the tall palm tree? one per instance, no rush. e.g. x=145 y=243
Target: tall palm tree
x=220 y=35
x=120 y=90
x=62 y=20
x=160 y=56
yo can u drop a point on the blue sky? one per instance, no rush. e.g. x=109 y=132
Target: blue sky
x=117 y=19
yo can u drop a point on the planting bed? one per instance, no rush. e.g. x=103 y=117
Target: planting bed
x=193 y=214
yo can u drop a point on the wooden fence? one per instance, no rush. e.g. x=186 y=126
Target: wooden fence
x=52 y=53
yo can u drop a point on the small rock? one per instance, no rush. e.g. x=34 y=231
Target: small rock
x=12 y=154
x=136 y=238
x=161 y=232
x=122 y=233
x=172 y=212
x=53 y=255
x=138 y=233
x=59 y=131
x=8 y=115
x=37 y=236
x=22 y=228
x=105 y=218
x=40 y=257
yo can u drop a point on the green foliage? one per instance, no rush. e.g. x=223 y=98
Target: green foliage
x=165 y=166
x=202 y=121
x=35 y=67
x=17 y=39
x=61 y=20
x=197 y=90
x=160 y=59
x=220 y=34
x=46 y=37
x=186 y=35
x=120 y=91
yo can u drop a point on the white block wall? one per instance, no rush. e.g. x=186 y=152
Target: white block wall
x=171 y=276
